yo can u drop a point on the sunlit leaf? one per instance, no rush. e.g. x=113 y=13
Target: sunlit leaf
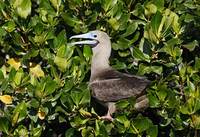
x=36 y=132
x=41 y=114
x=6 y=99
x=114 y=23
x=62 y=63
x=9 y=26
x=14 y=63
x=23 y=7
x=37 y=71
x=18 y=77
x=56 y=3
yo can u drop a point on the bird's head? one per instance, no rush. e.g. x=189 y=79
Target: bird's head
x=98 y=40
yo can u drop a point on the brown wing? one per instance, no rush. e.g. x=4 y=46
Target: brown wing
x=114 y=86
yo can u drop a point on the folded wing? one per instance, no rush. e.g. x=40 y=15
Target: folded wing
x=112 y=86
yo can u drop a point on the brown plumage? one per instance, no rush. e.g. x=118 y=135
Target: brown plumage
x=111 y=86
x=108 y=85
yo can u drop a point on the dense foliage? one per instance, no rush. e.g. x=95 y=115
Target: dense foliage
x=44 y=81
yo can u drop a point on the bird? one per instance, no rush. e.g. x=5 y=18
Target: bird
x=108 y=85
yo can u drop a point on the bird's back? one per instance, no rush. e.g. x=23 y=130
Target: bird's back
x=111 y=85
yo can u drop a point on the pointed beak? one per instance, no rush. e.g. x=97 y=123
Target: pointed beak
x=82 y=36
x=91 y=40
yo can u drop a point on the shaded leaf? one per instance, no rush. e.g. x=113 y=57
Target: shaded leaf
x=191 y=46
x=4 y=125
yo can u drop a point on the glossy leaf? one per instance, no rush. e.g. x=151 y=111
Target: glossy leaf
x=23 y=7
x=44 y=81
x=19 y=113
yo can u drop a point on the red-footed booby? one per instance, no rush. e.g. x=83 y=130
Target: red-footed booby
x=108 y=85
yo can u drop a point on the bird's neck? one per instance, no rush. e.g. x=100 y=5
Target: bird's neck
x=100 y=62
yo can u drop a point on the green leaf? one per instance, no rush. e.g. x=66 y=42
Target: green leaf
x=21 y=131
x=65 y=51
x=12 y=74
x=114 y=23
x=76 y=96
x=162 y=91
x=71 y=21
x=50 y=87
x=197 y=63
x=87 y=52
x=155 y=23
x=70 y=132
x=36 y=132
x=23 y=7
x=191 y=46
x=121 y=44
x=1 y=75
x=59 y=41
x=18 y=77
x=19 y=113
x=124 y=53
x=196 y=121
x=153 y=100
x=108 y=4
x=176 y=25
x=122 y=104
x=189 y=18
x=123 y=120
x=153 y=131
x=9 y=26
x=85 y=97
x=119 y=65
x=157 y=69
x=31 y=53
x=68 y=85
x=4 y=125
x=169 y=47
x=190 y=4
x=34 y=103
x=159 y=4
x=141 y=123
x=56 y=3
x=135 y=38
x=150 y=8
x=62 y=63
x=138 y=54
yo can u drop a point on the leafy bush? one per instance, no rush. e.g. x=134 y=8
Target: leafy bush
x=44 y=81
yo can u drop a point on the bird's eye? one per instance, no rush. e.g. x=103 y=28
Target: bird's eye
x=95 y=35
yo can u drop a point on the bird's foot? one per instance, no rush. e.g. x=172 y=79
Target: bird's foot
x=111 y=110
x=107 y=118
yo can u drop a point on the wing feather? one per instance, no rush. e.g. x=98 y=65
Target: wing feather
x=114 y=86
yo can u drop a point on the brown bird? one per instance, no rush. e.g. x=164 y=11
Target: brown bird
x=108 y=85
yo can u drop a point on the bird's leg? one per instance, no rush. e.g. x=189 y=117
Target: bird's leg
x=111 y=110
x=141 y=103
